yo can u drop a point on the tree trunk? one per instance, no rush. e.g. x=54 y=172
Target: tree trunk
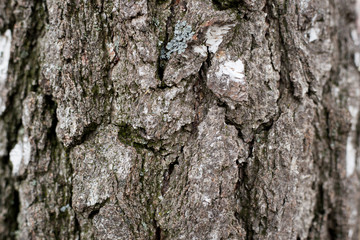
x=179 y=119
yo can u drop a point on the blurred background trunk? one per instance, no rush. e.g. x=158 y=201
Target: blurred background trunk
x=179 y=119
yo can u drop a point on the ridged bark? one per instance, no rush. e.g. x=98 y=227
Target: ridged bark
x=179 y=119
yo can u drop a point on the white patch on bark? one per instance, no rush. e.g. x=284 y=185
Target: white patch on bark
x=304 y=4
x=215 y=35
x=313 y=34
x=293 y=166
x=350 y=147
x=64 y=208
x=202 y=50
x=335 y=91
x=206 y=200
x=357 y=60
x=351 y=232
x=20 y=155
x=352 y=222
x=5 y=45
x=234 y=71
x=355 y=37
x=15 y=157
x=357 y=7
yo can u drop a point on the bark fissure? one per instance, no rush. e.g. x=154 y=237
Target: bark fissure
x=244 y=134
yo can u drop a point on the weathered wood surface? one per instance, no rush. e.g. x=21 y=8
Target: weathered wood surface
x=182 y=119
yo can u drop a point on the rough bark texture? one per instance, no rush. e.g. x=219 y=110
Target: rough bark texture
x=179 y=119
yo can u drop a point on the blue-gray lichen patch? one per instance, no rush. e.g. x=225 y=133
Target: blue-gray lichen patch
x=182 y=34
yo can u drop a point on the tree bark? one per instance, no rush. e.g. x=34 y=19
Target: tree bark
x=179 y=119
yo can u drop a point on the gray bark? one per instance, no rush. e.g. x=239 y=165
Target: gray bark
x=179 y=119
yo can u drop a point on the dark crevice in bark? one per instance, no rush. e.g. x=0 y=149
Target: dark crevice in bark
x=157 y=230
x=161 y=62
x=58 y=219
x=230 y=122
x=141 y=174
x=328 y=172
x=241 y=172
x=132 y=137
x=244 y=194
x=329 y=139
x=357 y=138
x=167 y=175
x=248 y=174
x=286 y=85
x=161 y=69
x=319 y=212
x=333 y=227
x=228 y=4
x=77 y=227
x=208 y=61
x=86 y=134
x=253 y=43
x=159 y=2
x=266 y=126
x=13 y=209
x=96 y=208
x=52 y=218
x=202 y=93
x=251 y=148
x=51 y=137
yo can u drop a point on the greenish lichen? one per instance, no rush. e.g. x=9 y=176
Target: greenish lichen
x=182 y=34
